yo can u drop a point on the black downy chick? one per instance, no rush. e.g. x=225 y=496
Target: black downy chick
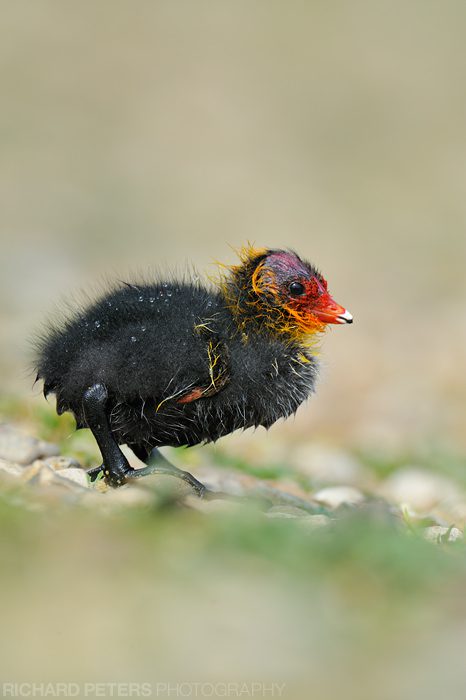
x=177 y=363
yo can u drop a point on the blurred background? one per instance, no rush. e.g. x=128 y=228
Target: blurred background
x=159 y=134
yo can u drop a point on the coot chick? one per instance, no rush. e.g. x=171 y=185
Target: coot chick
x=181 y=363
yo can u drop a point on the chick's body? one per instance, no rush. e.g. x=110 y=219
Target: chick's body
x=177 y=363
x=154 y=346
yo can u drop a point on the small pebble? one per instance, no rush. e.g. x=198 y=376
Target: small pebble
x=41 y=473
x=77 y=476
x=333 y=497
x=10 y=468
x=59 y=463
x=439 y=534
x=418 y=488
x=38 y=473
x=16 y=446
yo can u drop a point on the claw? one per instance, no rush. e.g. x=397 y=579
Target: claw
x=114 y=480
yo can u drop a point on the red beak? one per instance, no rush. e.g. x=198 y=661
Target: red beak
x=328 y=311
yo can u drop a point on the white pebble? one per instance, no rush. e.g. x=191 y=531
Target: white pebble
x=338 y=495
x=439 y=534
x=418 y=488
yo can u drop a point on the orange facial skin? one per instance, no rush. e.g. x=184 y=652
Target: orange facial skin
x=281 y=292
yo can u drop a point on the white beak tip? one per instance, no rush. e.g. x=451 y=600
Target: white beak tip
x=345 y=318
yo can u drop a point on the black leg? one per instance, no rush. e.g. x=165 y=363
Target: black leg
x=157 y=464
x=115 y=466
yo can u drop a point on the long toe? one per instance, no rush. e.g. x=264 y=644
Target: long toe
x=198 y=487
x=170 y=470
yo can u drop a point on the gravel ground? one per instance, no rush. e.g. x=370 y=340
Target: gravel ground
x=410 y=496
x=311 y=568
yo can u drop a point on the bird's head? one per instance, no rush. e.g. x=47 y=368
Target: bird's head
x=279 y=290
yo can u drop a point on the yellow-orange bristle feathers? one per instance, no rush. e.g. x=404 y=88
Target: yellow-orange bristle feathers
x=284 y=320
